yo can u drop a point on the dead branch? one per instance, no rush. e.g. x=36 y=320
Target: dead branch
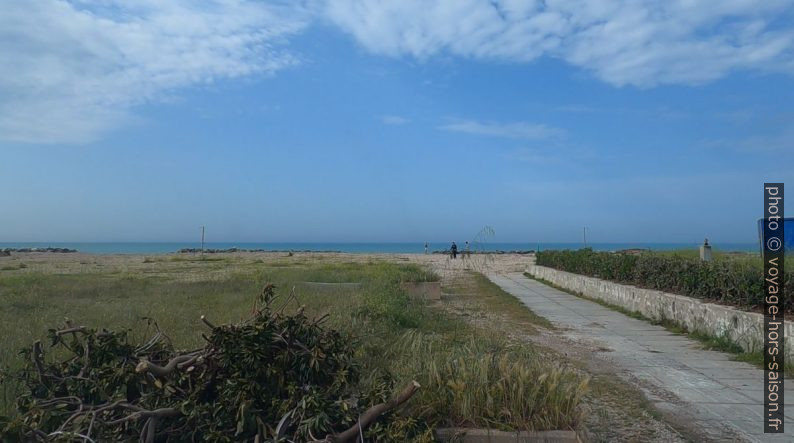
x=70 y=400
x=148 y=345
x=370 y=415
x=143 y=413
x=302 y=346
x=86 y=357
x=72 y=330
x=38 y=356
x=289 y=298
x=107 y=406
x=207 y=322
x=188 y=363
x=148 y=430
x=320 y=319
x=77 y=413
x=162 y=371
x=70 y=434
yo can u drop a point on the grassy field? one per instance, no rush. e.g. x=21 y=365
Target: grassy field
x=470 y=376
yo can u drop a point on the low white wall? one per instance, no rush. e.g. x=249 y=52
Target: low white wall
x=745 y=328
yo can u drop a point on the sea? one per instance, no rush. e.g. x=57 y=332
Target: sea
x=364 y=248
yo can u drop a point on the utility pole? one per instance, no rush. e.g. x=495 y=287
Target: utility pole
x=202 y=241
x=584 y=235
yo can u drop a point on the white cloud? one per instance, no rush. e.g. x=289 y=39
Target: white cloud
x=71 y=70
x=394 y=120
x=520 y=130
x=642 y=43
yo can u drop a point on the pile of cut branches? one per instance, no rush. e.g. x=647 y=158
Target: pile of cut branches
x=273 y=377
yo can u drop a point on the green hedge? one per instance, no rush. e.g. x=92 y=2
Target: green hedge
x=725 y=280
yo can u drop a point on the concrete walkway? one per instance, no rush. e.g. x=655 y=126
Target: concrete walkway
x=721 y=398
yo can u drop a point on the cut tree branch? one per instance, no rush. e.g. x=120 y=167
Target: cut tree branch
x=372 y=414
x=38 y=357
x=161 y=371
x=143 y=413
x=72 y=330
x=207 y=322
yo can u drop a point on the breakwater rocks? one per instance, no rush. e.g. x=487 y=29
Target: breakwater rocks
x=7 y=251
x=230 y=250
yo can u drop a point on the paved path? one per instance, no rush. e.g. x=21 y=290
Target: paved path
x=721 y=397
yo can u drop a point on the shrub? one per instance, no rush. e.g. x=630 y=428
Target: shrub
x=732 y=282
x=273 y=377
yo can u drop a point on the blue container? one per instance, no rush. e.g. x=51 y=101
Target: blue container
x=788 y=234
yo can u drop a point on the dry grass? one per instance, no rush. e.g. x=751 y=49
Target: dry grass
x=483 y=295
x=486 y=381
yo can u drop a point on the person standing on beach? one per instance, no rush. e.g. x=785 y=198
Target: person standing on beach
x=468 y=251
x=454 y=250
x=425 y=248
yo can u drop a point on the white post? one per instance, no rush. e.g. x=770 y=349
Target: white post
x=705 y=251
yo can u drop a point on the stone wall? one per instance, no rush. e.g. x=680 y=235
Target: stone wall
x=744 y=328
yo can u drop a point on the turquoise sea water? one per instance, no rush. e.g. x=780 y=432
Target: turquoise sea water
x=417 y=247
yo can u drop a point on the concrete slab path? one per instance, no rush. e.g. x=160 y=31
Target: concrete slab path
x=721 y=398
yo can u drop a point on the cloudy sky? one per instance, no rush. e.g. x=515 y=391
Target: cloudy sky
x=394 y=120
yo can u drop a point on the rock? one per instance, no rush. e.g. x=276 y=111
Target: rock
x=56 y=250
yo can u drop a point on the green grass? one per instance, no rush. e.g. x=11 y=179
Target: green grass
x=721 y=343
x=469 y=376
x=352 y=272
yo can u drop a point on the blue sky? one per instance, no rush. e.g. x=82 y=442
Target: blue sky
x=346 y=120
